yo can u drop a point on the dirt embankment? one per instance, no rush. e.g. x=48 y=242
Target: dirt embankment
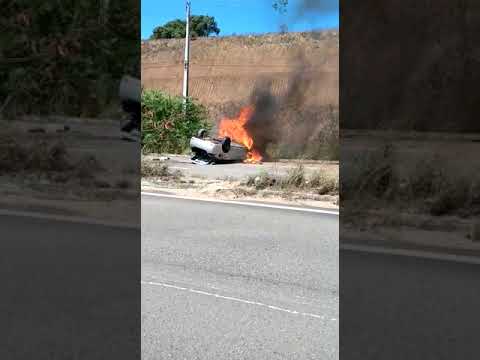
x=225 y=71
x=408 y=68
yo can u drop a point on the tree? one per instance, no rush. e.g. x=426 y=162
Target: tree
x=66 y=57
x=171 y=30
x=280 y=6
x=200 y=26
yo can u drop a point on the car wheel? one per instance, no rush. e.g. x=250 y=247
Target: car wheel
x=226 y=144
x=201 y=133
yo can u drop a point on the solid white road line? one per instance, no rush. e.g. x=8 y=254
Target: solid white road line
x=66 y=218
x=412 y=253
x=249 y=302
x=244 y=203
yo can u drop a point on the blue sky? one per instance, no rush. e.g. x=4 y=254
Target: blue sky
x=238 y=16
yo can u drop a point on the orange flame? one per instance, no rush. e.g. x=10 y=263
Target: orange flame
x=235 y=129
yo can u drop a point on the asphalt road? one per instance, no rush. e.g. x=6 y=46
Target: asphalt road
x=68 y=290
x=223 y=281
x=396 y=307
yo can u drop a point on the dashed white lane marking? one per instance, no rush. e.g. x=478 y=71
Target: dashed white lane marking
x=244 y=301
x=244 y=203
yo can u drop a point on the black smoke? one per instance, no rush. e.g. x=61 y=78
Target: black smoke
x=304 y=10
x=315 y=7
x=283 y=119
x=286 y=120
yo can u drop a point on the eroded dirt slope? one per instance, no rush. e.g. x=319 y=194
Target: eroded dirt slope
x=224 y=71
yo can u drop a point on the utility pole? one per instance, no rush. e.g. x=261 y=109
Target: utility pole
x=187 y=55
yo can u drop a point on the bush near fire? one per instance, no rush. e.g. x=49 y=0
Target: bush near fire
x=166 y=129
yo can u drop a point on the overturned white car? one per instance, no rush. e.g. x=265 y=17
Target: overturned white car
x=216 y=150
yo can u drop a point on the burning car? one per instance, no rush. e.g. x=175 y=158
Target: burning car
x=214 y=150
x=233 y=142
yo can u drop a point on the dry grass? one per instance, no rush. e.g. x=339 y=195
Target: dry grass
x=50 y=161
x=296 y=179
x=170 y=49
x=42 y=156
x=162 y=171
x=374 y=179
x=323 y=183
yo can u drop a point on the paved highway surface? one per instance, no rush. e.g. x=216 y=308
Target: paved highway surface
x=213 y=287
x=396 y=307
x=223 y=281
x=69 y=290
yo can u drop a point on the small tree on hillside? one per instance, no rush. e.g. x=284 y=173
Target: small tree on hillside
x=280 y=6
x=200 y=26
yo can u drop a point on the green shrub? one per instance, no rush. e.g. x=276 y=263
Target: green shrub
x=66 y=57
x=166 y=127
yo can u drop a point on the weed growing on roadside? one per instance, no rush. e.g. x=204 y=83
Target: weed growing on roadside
x=295 y=179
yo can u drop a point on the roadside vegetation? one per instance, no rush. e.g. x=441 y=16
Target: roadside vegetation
x=51 y=163
x=163 y=172
x=429 y=187
x=200 y=26
x=298 y=183
x=65 y=57
x=166 y=126
x=296 y=179
x=48 y=160
x=16 y=157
